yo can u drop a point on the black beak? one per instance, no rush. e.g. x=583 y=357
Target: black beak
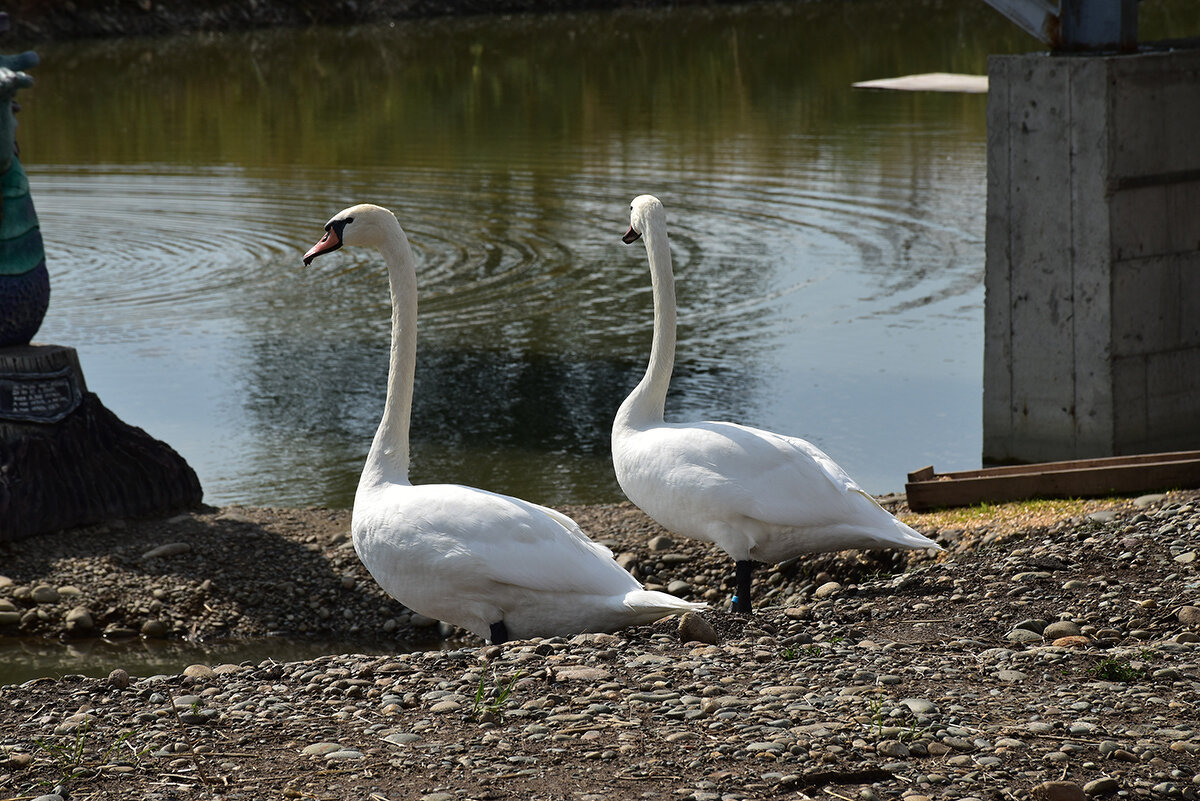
x=631 y=236
x=329 y=243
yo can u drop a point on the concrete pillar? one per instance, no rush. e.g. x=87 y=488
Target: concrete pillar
x=1092 y=309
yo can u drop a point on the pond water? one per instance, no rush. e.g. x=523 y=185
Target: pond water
x=828 y=242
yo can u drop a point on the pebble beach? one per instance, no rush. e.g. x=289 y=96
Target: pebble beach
x=1050 y=652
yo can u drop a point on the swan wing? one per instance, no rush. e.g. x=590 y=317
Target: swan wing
x=742 y=471
x=475 y=538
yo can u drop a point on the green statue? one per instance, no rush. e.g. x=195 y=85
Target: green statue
x=24 y=282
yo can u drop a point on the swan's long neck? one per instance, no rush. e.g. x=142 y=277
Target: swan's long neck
x=387 y=461
x=646 y=404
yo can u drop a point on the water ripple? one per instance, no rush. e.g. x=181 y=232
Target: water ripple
x=773 y=269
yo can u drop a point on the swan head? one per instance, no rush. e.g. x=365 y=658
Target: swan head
x=641 y=210
x=364 y=225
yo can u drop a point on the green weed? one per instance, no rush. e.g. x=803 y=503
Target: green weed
x=76 y=757
x=490 y=701
x=1121 y=670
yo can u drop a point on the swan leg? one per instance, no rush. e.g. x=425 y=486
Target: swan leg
x=499 y=633
x=741 y=600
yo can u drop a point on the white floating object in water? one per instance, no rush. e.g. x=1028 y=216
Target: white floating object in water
x=930 y=82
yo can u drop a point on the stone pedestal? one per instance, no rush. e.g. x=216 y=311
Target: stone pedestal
x=66 y=460
x=1092 y=334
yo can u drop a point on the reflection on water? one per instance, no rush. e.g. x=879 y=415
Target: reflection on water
x=828 y=242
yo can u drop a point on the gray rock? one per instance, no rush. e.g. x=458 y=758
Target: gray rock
x=1102 y=786
x=44 y=594
x=920 y=706
x=343 y=754
x=199 y=672
x=79 y=620
x=170 y=549
x=892 y=748
x=1060 y=628
x=694 y=628
x=155 y=629
x=401 y=738
x=628 y=560
x=660 y=543
x=1023 y=636
x=1058 y=791
x=1028 y=576
x=827 y=590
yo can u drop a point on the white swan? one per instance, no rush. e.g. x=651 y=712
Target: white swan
x=762 y=497
x=497 y=566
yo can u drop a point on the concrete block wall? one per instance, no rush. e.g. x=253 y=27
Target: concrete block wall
x=1092 y=308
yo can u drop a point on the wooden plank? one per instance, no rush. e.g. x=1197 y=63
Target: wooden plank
x=1073 y=479
x=928 y=473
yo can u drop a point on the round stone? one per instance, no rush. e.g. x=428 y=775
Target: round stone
x=827 y=590
x=154 y=629
x=44 y=594
x=1105 y=785
x=199 y=672
x=1060 y=628
x=79 y=620
x=694 y=628
x=1059 y=792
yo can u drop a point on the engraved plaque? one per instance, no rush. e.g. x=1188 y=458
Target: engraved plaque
x=39 y=397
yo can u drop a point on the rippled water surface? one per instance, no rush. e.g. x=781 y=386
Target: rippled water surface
x=828 y=242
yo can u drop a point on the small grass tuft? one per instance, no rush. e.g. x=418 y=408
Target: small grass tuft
x=79 y=756
x=1120 y=670
x=491 y=701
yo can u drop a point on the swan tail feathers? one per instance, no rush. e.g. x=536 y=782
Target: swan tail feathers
x=914 y=539
x=649 y=605
x=902 y=534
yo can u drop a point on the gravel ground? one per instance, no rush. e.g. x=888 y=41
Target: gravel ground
x=1051 y=652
